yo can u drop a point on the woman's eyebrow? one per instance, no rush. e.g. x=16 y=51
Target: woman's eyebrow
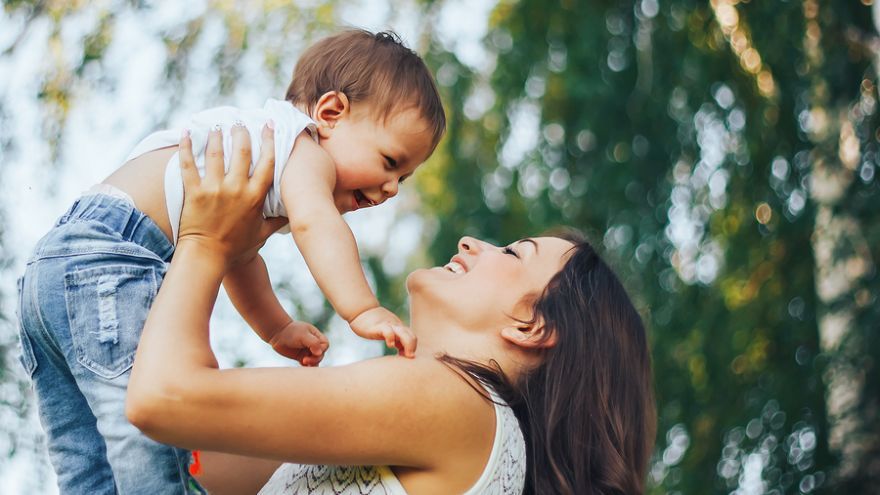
x=529 y=240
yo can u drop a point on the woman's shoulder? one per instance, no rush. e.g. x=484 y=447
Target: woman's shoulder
x=427 y=380
x=454 y=416
x=465 y=436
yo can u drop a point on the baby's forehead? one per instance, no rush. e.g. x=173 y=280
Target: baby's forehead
x=414 y=134
x=399 y=111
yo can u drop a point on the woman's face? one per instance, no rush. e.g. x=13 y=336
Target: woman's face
x=483 y=285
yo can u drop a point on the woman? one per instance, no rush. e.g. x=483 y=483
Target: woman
x=532 y=371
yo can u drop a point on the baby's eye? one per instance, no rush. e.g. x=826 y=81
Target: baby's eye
x=402 y=178
x=509 y=250
x=390 y=163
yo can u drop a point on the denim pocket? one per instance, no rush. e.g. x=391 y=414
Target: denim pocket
x=107 y=306
x=27 y=358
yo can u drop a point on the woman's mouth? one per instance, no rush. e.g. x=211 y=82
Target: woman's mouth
x=454 y=267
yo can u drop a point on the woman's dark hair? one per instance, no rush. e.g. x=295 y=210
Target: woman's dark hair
x=587 y=411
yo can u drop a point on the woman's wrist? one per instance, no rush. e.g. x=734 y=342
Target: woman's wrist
x=202 y=256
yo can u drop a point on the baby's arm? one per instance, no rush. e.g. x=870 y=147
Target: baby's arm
x=251 y=292
x=329 y=247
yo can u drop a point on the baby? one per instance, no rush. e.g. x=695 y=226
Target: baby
x=361 y=114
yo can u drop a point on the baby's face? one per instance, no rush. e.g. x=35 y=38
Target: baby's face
x=374 y=156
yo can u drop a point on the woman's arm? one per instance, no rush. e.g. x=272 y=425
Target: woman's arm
x=385 y=411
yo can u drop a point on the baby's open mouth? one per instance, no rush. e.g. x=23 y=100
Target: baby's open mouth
x=361 y=200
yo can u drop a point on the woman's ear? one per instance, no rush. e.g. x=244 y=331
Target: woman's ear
x=529 y=336
x=331 y=107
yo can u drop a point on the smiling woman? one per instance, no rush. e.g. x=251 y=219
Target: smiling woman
x=532 y=372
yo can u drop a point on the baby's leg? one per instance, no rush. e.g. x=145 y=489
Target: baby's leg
x=139 y=464
x=87 y=294
x=76 y=449
x=108 y=304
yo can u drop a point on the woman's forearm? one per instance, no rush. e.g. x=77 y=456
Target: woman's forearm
x=174 y=350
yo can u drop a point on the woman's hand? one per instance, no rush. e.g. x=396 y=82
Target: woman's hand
x=222 y=211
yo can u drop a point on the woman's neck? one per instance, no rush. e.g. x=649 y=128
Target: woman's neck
x=438 y=335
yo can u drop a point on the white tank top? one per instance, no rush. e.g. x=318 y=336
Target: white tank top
x=504 y=474
x=289 y=123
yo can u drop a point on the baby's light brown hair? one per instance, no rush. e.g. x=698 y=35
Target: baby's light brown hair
x=375 y=68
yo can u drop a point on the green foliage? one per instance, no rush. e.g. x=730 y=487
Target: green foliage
x=691 y=162
x=691 y=140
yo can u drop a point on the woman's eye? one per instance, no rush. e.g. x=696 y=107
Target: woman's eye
x=508 y=250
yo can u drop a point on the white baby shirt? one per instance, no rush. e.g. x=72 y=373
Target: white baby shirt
x=289 y=123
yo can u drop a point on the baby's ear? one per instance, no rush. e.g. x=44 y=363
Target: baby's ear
x=331 y=107
x=529 y=335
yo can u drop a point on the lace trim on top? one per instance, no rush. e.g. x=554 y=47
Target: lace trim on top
x=504 y=474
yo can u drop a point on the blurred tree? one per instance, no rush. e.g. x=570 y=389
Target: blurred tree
x=723 y=153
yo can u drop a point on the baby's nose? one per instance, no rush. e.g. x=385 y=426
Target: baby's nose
x=390 y=188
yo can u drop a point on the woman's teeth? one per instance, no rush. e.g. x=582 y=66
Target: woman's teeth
x=454 y=267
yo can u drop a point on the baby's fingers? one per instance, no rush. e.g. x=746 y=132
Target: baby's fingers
x=318 y=344
x=389 y=336
x=311 y=360
x=400 y=338
x=313 y=341
x=407 y=341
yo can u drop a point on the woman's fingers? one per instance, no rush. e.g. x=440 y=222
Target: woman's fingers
x=214 y=168
x=227 y=207
x=240 y=164
x=264 y=171
x=188 y=169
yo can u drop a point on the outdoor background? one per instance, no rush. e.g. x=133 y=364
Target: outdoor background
x=722 y=154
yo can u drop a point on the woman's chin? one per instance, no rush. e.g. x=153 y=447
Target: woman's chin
x=419 y=279
x=415 y=279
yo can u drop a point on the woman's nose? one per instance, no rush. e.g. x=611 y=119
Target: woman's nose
x=468 y=244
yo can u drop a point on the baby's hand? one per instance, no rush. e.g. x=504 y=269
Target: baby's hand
x=381 y=324
x=300 y=341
